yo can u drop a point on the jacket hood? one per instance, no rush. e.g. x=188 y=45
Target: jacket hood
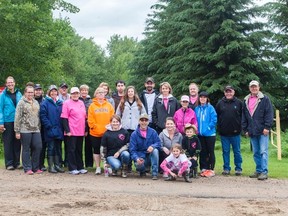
x=165 y=132
x=169 y=96
x=259 y=95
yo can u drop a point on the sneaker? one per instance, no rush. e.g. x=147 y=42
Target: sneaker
x=82 y=171
x=226 y=172
x=19 y=166
x=43 y=168
x=254 y=175
x=186 y=178
x=209 y=173
x=124 y=174
x=238 y=172
x=114 y=172
x=10 y=168
x=154 y=178
x=29 y=172
x=110 y=171
x=170 y=178
x=262 y=176
x=165 y=175
x=203 y=172
x=98 y=171
x=74 y=172
x=38 y=171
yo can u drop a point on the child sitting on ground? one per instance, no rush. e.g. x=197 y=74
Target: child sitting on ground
x=176 y=164
x=192 y=147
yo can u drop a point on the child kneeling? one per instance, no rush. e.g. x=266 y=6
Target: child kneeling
x=176 y=164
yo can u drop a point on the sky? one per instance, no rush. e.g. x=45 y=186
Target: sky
x=101 y=19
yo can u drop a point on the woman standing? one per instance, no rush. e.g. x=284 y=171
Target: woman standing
x=115 y=146
x=50 y=111
x=27 y=129
x=74 y=123
x=169 y=136
x=130 y=109
x=99 y=115
x=106 y=88
x=165 y=105
x=207 y=119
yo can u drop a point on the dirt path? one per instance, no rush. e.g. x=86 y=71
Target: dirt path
x=64 y=194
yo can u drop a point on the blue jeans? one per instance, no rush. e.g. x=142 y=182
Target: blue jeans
x=150 y=159
x=235 y=143
x=260 y=152
x=116 y=163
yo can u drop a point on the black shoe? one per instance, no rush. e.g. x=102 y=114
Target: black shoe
x=238 y=172
x=226 y=172
x=170 y=178
x=142 y=174
x=186 y=178
x=43 y=168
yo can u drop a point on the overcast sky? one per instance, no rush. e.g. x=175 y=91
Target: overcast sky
x=101 y=19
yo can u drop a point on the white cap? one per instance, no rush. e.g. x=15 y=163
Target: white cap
x=74 y=89
x=253 y=82
x=185 y=98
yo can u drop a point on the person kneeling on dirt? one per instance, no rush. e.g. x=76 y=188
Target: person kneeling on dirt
x=144 y=147
x=176 y=164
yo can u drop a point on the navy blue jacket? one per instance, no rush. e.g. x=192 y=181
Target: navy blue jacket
x=262 y=117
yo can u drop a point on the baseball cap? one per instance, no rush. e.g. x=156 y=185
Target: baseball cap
x=185 y=98
x=63 y=85
x=143 y=116
x=51 y=87
x=253 y=82
x=203 y=93
x=74 y=89
x=149 y=79
x=37 y=86
x=228 y=87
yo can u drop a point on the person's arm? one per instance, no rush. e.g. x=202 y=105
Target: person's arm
x=269 y=114
x=18 y=118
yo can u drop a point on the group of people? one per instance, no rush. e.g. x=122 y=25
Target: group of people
x=153 y=130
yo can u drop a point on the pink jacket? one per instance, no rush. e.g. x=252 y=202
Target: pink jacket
x=182 y=117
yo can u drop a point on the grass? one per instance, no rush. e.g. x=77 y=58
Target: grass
x=276 y=168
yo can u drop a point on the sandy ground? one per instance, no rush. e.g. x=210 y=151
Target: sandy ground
x=64 y=194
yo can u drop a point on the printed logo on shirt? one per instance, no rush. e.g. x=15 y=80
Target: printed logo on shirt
x=193 y=145
x=121 y=137
x=102 y=109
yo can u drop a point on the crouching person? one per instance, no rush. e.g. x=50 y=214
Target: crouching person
x=115 y=143
x=176 y=164
x=144 y=147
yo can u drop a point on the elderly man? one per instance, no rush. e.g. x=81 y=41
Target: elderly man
x=144 y=147
x=229 y=113
x=257 y=121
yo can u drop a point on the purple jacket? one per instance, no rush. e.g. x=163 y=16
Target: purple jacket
x=182 y=117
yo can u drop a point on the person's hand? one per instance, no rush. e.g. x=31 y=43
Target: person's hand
x=116 y=155
x=265 y=132
x=166 y=150
x=68 y=134
x=86 y=133
x=194 y=158
x=173 y=174
x=17 y=135
x=150 y=149
x=247 y=134
x=140 y=161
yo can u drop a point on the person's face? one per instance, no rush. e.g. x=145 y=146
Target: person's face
x=29 y=94
x=38 y=92
x=149 y=86
x=170 y=125
x=189 y=132
x=229 y=94
x=165 y=90
x=120 y=87
x=63 y=90
x=105 y=89
x=115 y=124
x=131 y=93
x=143 y=123
x=176 y=152
x=53 y=94
x=100 y=94
x=193 y=90
x=84 y=92
x=254 y=89
x=75 y=96
x=184 y=104
x=10 y=84
x=203 y=100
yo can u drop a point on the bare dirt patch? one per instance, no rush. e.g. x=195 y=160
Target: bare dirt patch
x=64 y=194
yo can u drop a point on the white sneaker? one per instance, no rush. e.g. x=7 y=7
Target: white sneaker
x=74 y=172
x=98 y=171
x=110 y=170
x=83 y=171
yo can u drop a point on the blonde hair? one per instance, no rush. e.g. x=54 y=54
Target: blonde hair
x=84 y=86
x=177 y=146
x=105 y=84
x=166 y=84
x=98 y=90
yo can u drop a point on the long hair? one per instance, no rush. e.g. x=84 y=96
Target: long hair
x=177 y=146
x=125 y=98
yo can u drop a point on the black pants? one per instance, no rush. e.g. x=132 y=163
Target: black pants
x=207 y=154
x=12 y=146
x=74 y=147
x=43 y=151
x=88 y=152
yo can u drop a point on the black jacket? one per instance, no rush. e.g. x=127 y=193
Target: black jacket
x=229 y=113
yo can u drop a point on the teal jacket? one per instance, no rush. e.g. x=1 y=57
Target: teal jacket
x=7 y=108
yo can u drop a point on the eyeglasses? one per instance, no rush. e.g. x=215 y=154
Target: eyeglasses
x=144 y=120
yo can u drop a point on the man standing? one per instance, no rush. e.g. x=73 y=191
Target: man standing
x=120 y=91
x=38 y=93
x=257 y=120
x=144 y=147
x=229 y=113
x=148 y=97
x=8 y=102
x=63 y=92
x=193 y=91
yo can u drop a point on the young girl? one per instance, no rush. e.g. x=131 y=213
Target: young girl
x=176 y=164
x=192 y=147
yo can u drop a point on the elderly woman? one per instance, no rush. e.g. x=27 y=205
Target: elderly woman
x=115 y=146
x=27 y=129
x=207 y=119
x=165 y=105
x=99 y=115
x=169 y=136
x=50 y=111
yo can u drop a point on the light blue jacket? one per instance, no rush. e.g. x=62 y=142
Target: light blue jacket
x=7 y=107
x=207 y=120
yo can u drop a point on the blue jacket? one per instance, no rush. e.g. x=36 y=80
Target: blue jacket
x=138 y=144
x=207 y=120
x=7 y=108
x=50 y=119
x=260 y=119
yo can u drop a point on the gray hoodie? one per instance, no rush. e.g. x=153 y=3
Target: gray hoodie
x=167 y=142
